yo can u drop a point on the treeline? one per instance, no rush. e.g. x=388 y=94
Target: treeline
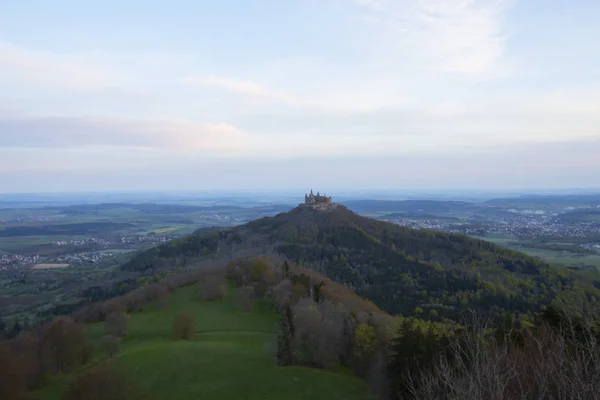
x=29 y=360
x=74 y=229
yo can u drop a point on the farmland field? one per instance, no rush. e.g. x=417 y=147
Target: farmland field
x=50 y=266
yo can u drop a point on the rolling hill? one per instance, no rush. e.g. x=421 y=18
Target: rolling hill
x=231 y=355
x=405 y=271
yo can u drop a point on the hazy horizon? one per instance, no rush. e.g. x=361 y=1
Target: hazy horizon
x=379 y=193
x=329 y=94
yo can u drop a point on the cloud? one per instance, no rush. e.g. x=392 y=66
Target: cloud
x=443 y=127
x=78 y=72
x=246 y=88
x=73 y=133
x=459 y=36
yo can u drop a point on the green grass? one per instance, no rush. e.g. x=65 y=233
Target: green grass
x=571 y=260
x=497 y=238
x=552 y=256
x=170 y=229
x=561 y=257
x=231 y=356
x=16 y=243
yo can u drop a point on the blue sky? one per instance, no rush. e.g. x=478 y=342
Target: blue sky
x=229 y=94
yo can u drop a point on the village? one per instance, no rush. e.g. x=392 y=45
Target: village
x=521 y=226
x=103 y=249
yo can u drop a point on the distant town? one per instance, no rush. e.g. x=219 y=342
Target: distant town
x=75 y=257
x=520 y=226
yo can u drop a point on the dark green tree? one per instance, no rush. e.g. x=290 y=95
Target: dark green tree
x=286 y=269
x=285 y=352
x=413 y=352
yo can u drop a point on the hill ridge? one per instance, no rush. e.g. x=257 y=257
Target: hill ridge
x=403 y=270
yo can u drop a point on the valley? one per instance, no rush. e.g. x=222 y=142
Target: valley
x=315 y=301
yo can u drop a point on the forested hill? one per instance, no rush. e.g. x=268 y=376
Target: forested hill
x=403 y=270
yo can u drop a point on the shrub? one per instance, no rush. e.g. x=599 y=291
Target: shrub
x=184 y=325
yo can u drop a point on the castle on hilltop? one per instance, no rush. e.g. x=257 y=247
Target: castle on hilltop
x=318 y=201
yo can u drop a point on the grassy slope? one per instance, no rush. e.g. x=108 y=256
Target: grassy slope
x=231 y=356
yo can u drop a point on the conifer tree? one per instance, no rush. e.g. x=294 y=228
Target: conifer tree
x=285 y=351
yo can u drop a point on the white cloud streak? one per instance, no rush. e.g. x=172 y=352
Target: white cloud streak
x=52 y=70
x=245 y=88
x=53 y=132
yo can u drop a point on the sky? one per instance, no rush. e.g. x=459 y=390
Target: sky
x=268 y=94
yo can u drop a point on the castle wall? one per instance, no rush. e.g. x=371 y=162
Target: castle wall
x=318 y=202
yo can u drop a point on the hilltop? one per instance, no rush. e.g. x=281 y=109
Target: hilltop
x=403 y=270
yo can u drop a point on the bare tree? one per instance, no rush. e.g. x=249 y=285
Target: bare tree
x=102 y=383
x=111 y=344
x=64 y=345
x=112 y=305
x=318 y=333
x=13 y=382
x=282 y=295
x=213 y=288
x=549 y=364
x=245 y=298
x=116 y=324
x=162 y=296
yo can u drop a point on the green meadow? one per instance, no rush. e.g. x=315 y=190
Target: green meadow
x=231 y=356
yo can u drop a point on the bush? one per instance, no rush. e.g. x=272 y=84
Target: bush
x=184 y=325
